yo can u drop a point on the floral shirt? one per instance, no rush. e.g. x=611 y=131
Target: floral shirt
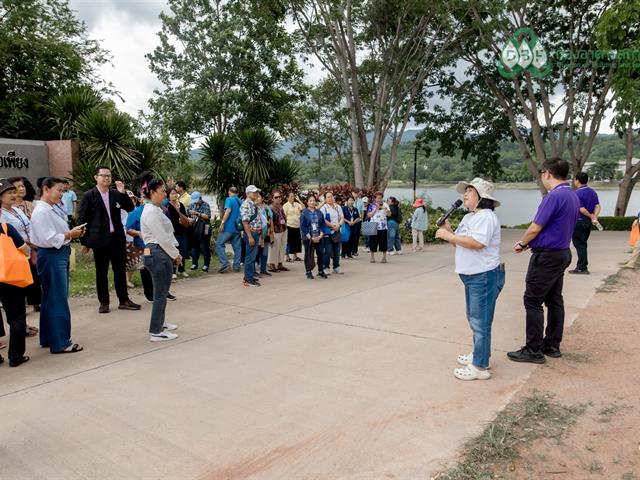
x=249 y=212
x=380 y=217
x=200 y=207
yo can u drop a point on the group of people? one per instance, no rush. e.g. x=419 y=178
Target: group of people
x=564 y=214
x=265 y=233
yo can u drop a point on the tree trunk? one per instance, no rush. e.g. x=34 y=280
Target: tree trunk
x=630 y=178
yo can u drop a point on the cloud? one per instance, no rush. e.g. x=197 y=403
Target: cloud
x=140 y=11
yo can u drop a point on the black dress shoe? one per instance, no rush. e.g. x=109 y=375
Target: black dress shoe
x=129 y=305
x=104 y=308
x=553 y=352
x=526 y=356
x=19 y=362
x=575 y=271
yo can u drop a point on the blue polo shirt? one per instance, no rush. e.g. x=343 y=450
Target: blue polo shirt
x=588 y=200
x=557 y=214
x=234 y=204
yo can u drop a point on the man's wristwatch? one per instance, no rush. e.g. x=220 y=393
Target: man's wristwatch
x=524 y=247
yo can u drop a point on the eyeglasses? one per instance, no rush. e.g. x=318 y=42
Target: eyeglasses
x=105 y=175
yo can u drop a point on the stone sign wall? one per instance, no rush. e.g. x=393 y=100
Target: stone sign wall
x=23 y=158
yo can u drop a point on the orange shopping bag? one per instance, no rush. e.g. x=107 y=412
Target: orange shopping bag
x=634 y=236
x=14 y=266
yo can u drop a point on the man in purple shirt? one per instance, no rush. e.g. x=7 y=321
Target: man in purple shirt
x=548 y=237
x=589 y=212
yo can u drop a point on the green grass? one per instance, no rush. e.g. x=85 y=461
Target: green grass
x=520 y=423
x=82 y=281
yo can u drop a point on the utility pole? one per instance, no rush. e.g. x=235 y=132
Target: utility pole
x=415 y=171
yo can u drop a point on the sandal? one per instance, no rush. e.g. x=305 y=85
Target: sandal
x=470 y=372
x=289 y=260
x=3 y=345
x=297 y=259
x=384 y=260
x=283 y=269
x=466 y=359
x=273 y=270
x=32 y=331
x=17 y=363
x=74 y=349
x=373 y=260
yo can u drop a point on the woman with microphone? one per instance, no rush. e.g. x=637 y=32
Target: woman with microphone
x=477 y=244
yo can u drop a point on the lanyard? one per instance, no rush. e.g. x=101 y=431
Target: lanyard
x=25 y=226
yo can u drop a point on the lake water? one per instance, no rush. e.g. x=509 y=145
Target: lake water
x=517 y=206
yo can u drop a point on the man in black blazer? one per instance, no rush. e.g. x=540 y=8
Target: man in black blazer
x=105 y=236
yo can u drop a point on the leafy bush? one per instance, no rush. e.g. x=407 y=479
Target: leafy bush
x=617 y=223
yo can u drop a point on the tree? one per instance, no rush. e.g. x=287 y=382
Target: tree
x=523 y=34
x=619 y=29
x=604 y=169
x=44 y=49
x=225 y=65
x=66 y=109
x=380 y=53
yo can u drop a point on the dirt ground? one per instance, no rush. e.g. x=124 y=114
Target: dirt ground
x=600 y=370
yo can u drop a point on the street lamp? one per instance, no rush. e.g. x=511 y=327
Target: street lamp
x=415 y=171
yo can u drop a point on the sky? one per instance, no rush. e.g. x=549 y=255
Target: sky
x=128 y=30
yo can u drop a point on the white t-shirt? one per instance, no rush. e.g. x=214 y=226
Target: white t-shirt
x=484 y=227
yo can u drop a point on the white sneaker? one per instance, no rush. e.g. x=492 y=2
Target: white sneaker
x=471 y=373
x=163 y=336
x=170 y=326
x=392 y=252
x=336 y=271
x=367 y=249
x=185 y=274
x=174 y=276
x=399 y=252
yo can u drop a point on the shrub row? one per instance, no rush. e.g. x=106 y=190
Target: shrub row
x=614 y=224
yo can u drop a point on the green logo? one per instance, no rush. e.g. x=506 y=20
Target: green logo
x=523 y=52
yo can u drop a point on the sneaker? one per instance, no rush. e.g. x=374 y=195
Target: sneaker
x=170 y=326
x=399 y=252
x=129 y=305
x=224 y=268
x=336 y=271
x=249 y=283
x=194 y=267
x=323 y=275
x=148 y=301
x=392 y=252
x=104 y=308
x=130 y=285
x=553 y=352
x=526 y=356
x=185 y=274
x=367 y=249
x=162 y=336
x=470 y=372
x=310 y=275
x=171 y=296
x=174 y=277
x=205 y=268
x=256 y=283
x=575 y=271
x=266 y=274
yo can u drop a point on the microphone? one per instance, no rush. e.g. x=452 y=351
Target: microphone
x=456 y=205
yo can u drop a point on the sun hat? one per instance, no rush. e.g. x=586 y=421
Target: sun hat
x=365 y=199
x=252 y=189
x=419 y=203
x=5 y=185
x=195 y=196
x=483 y=187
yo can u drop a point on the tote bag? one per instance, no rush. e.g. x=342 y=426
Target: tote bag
x=14 y=266
x=369 y=229
x=345 y=231
x=634 y=236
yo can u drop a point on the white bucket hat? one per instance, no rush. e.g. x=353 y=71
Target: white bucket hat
x=483 y=187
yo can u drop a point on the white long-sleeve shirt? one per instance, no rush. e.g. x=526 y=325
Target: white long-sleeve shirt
x=156 y=228
x=48 y=226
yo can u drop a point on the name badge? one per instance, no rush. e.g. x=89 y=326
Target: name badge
x=282 y=222
x=147 y=252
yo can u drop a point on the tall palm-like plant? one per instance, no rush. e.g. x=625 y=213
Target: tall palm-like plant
x=149 y=152
x=66 y=109
x=222 y=166
x=284 y=171
x=106 y=139
x=256 y=147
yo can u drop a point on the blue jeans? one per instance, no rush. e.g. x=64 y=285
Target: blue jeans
x=183 y=242
x=481 y=292
x=160 y=267
x=55 y=315
x=206 y=250
x=331 y=251
x=263 y=256
x=393 y=236
x=250 y=256
x=234 y=238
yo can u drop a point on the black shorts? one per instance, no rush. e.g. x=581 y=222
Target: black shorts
x=379 y=242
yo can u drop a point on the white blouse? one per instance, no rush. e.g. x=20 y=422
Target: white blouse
x=48 y=226
x=19 y=221
x=157 y=228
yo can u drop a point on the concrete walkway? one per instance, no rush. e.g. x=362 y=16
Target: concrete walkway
x=346 y=378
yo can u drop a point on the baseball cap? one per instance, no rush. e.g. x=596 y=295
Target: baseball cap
x=252 y=189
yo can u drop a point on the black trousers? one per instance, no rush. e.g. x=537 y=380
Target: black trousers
x=354 y=238
x=580 y=237
x=309 y=249
x=544 y=283
x=115 y=254
x=34 y=291
x=12 y=299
